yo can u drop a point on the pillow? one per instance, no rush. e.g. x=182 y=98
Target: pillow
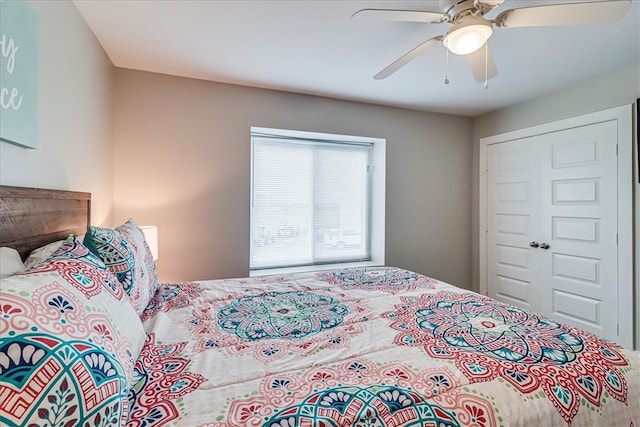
x=41 y=254
x=10 y=262
x=68 y=343
x=126 y=253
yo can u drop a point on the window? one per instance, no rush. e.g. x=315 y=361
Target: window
x=313 y=198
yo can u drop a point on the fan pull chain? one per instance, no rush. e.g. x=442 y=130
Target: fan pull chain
x=446 y=71
x=486 y=65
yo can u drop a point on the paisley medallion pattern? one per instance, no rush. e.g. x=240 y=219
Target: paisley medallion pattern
x=82 y=269
x=296 y=350
x=358 y=392
x=126 y=254
x=114 y=251
x=270 y=324
x=386 y=279
x=58 y=372
x=64 y=360
x=160 y=377
x=274 y=315
x=171 y=296
x=488 y=340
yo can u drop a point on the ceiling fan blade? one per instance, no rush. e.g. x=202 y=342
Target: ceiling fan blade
x=399 y=15
x=599 y=12
x=407 y=57
x=477 y=63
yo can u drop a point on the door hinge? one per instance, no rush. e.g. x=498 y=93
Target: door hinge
x=618 y=328
x=616 y=149
x=616 y=239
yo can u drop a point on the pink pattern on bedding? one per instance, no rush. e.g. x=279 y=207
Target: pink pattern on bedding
x=81 y=268
x=86 y=278
x=370 y=356
x=386 y=279
x=360 y=392
x=171 y=296
x=488 y=340
x=160 y=377
x=63 y=359
x=58 y=312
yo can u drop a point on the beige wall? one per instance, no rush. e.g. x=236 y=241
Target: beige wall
x=616 y=89
x=182 y=158
x=74 y=123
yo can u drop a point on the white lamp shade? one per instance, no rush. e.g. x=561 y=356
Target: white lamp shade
x=468 y=36
x=151 y=236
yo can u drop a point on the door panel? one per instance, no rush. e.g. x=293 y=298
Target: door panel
x=511 y=256
x=572 y=154
x=512 y=291
x=512 y=192
x=575 y=268
x=573 y=191
x=572 y=229
x=512 y=224
x=576 y=308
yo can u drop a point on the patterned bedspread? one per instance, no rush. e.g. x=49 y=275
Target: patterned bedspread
x=369 y=347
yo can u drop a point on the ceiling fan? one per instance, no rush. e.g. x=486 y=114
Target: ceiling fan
x=471 y=30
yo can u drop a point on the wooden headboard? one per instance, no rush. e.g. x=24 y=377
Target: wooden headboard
x=33 y=217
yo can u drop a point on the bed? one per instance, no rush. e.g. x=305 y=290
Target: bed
x=377 y=346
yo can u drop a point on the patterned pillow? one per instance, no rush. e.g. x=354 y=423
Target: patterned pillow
x=68 y=343
x=125 y=252
x=114 y=251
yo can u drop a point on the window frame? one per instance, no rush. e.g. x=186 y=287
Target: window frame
x=376 y=199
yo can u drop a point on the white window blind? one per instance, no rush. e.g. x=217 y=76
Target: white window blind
x=310 y=201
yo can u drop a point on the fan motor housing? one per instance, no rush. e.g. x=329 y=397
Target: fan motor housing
x=454 y=7
x=457 y=8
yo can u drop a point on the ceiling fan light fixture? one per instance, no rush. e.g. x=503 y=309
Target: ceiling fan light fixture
x=468 y=35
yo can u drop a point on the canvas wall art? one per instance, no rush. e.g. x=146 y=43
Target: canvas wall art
x=19 y=73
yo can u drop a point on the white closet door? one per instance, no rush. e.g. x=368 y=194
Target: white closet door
x=552 y=225
x=579 y=202
x=512 y=193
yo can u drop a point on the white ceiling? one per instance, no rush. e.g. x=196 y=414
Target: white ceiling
x=314 y=47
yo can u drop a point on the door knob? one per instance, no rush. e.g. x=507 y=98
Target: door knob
x=534 y=244
x=544 y=245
